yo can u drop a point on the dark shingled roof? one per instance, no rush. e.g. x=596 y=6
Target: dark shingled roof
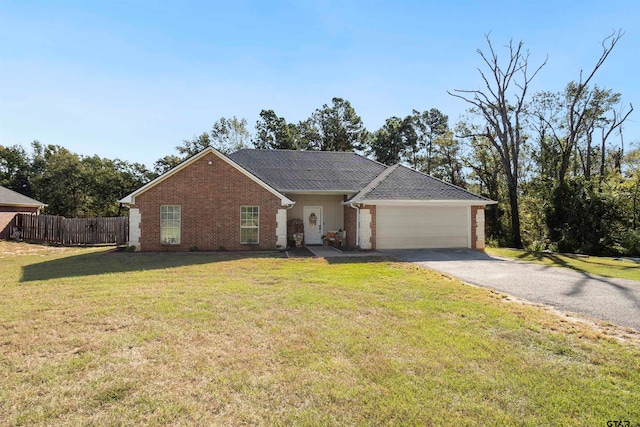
x=11 y=198
x=291 y=171
x=401 y=183
x=330 y=171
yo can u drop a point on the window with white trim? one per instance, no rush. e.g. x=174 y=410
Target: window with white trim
x=170 y=219
x=249 y=225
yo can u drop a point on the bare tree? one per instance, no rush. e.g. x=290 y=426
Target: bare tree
x=501 y=103
x=582 y=112
x=612 y=124
x=569 y=123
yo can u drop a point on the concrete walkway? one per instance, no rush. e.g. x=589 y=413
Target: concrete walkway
x=612 y=300
x=331 y=252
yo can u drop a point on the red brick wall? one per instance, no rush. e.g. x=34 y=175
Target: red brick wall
x=210 y=196
x=350 y=224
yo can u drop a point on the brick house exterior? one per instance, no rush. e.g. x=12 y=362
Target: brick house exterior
x=210 y=192
x=244 y=201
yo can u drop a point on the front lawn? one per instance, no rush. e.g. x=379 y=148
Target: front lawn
x=600 y=266
x=90 y=337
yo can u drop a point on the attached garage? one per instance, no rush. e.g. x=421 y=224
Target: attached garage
x=410 y=227
x=411 y=210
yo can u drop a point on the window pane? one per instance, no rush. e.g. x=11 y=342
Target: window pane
x=249 y=224
x=249 y=235
x=170 y=225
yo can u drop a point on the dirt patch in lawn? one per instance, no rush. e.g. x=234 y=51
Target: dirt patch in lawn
x=575 y=324
x=23 y=248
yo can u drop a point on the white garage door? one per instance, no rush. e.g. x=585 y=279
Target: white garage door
x=409 y=227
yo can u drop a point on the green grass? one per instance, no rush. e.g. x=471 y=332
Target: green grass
x=89 y=337
x=601 y=266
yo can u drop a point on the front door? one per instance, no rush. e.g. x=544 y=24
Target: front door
x=313 y=225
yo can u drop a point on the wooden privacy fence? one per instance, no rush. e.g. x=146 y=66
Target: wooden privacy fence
x=72 y=231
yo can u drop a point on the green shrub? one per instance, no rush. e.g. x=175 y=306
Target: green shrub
x=630 y=243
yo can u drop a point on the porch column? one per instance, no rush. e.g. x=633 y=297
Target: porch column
x=134 y=228
x=281 y=228
x=365 y=229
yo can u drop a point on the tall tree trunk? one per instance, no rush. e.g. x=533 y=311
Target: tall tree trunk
x=503 y=117
x=516 y=237
x=429 y=154
x=555 y=217
x=587 y=169
x=635 y=204
x=603 y=159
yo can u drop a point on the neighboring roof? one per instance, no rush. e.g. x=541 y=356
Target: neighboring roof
x=130 y=198
x=291 y=171
x=11 y=198
x=401 y=183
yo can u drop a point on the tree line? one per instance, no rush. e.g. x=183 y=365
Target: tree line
x=71 y=185
x=422 y=140
x=555 y=161
x=567 y=181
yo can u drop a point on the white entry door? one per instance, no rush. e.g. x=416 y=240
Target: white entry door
x=313 y=225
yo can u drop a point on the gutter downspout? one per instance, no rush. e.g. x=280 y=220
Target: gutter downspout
x=357 y=223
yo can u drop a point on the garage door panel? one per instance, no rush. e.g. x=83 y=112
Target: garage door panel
x=400 y=227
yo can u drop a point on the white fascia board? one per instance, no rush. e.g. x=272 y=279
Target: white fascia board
x=131 y=198
x=25 y=205
x=321 y=192
x=425 y=202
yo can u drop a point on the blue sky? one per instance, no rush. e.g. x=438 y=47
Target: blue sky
x=132 y=79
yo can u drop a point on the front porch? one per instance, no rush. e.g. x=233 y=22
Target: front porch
x=322 y=219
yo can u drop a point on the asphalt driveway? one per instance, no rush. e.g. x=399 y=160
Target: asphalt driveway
x=613 y=300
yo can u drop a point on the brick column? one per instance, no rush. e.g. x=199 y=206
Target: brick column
x=477 y=227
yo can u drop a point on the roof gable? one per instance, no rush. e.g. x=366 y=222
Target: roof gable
x=400 y=183
x=130 y=198
x=12 y=198
x=289 y=171
x=292 y=171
